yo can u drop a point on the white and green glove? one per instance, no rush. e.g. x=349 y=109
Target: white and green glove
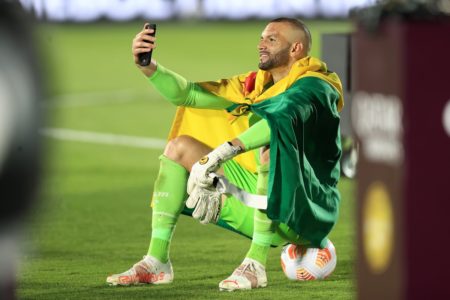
x=210 y=163
x=206 y=203
x=203 y=196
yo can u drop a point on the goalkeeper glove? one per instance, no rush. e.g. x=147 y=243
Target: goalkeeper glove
x=210 y=163
x=206 y=203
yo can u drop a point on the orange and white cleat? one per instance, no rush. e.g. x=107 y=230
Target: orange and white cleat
x=249 y=275
x=149 y=270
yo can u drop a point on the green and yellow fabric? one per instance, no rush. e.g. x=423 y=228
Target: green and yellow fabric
x=302 y=111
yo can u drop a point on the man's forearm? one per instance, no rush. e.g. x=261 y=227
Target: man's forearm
x=255 y=137
x=181 y=92
x=170 y=85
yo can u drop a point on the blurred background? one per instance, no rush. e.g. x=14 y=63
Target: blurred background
x=103 y=127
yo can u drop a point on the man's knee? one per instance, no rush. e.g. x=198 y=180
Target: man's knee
x=177 y=147
x=185 y=150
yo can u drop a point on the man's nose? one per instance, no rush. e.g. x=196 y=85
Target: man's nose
x=261 y=45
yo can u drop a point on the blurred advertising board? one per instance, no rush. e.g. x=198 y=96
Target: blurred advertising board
x=123 y=10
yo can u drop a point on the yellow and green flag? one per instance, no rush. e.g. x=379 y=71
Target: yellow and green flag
x=213 y=127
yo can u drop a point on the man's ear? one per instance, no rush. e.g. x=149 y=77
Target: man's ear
x=297 y=48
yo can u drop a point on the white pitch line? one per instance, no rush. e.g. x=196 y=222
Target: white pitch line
x=103 y=138
x=97 y=98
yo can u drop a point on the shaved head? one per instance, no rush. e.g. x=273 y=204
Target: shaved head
x=283 y=42
x=300 y=33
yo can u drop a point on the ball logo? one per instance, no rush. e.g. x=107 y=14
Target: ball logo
x=378 y=228
x=203 y=160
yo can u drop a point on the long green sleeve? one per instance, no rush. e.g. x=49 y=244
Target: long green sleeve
x=181 y=92
x=256 y=136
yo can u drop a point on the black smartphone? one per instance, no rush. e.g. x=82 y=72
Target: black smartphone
x=146 y=58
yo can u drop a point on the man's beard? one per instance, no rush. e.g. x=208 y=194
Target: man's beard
x=276 y=60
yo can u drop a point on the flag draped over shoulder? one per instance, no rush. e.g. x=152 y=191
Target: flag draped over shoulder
x=213 y=127
x=304 y=158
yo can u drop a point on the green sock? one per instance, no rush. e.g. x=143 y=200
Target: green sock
x=263 y=228
x=169 y=194
x=263 y=232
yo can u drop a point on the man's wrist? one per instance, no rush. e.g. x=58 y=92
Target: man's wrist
x=150 y=70
x=237 y=143
x=227 y=151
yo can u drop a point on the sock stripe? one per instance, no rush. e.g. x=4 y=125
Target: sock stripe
x=265 y=221
x=164 y=234
x=262 y=239
x=165 y=214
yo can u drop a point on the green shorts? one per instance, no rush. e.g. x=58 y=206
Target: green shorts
x=238 y=217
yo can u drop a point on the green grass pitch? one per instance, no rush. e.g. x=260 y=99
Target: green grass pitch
x=94 y=216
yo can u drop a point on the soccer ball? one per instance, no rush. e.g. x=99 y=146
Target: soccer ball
x=300 y=263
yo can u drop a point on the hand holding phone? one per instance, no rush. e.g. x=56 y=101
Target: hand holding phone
x=145 y=58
